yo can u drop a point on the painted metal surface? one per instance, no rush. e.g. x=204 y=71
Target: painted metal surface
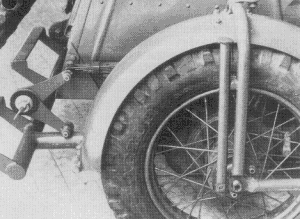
x=107 y=30
x=152 y=53
x=224 y=84
x=243 y=43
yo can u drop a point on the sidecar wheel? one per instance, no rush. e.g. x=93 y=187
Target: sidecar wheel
x=159 y=159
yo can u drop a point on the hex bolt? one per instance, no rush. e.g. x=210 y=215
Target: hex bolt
x=67 y=75
x=237 y=186
x=251 y=169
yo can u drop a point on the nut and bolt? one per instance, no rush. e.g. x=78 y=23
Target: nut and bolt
x=67 y=130
x=252 y=169
x=67 y=75
x=237 y=186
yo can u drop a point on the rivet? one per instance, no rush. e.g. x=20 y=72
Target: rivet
x=102 y=2
x=216 y=9
x=188 y=5
x=160 y=4
x=131 y=3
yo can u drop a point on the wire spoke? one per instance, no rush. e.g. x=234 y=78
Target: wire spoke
x=277 y=164
x=207 y=130
x=177 y=139
x=183 y=178
x=201 y=120
x=182 y=175
x=262 y=117
x=283 y=161
x=272 y=198
x=274 y=138
x=278 y=126
x=252 y=146
x=187 y=148
x=270 y=141
x=194 y=203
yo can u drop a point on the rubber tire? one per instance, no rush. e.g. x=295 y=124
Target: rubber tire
x=170 y=85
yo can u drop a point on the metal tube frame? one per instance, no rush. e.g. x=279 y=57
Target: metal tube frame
x=224 y=83
x=271 y=185
x=243 y=43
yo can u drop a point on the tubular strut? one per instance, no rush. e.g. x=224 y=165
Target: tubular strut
x=243 y=43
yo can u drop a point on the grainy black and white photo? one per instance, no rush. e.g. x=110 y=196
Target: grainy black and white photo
x=150 y=109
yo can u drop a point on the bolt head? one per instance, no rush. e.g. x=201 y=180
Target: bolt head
x=237 y=186
x=67 y=75
x=65 y=134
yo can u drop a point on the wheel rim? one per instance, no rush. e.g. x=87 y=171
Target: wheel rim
x=181 y=163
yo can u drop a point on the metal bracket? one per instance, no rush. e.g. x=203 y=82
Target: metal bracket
x=39 y=93
x=20 y=64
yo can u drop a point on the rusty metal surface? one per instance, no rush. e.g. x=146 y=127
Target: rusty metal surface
x=152 y=53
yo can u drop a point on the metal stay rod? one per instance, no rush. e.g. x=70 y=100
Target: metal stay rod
x=243 y=43
x=54 y=140
x=224 y=84
x=272 y=185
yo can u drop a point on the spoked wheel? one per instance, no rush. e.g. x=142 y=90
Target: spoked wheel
x=181 y=161
x=161 y=155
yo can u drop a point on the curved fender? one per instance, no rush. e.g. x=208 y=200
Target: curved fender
x=163 y=46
